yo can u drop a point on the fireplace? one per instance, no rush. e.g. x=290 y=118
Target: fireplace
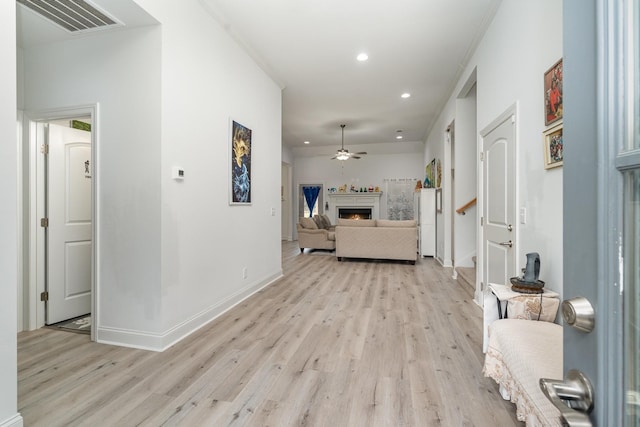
x=354 y=213
x=365 y=205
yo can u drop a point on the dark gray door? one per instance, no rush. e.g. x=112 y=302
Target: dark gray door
x=602 y=200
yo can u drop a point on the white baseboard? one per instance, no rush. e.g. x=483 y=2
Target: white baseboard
x=14 y=421
x=445 y=263
x=162 y=341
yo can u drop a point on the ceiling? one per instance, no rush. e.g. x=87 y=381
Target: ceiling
x=309 y=48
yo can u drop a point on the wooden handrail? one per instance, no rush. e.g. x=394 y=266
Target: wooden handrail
x=463 y=210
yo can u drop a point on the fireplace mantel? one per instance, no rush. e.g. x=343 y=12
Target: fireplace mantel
x=353 y=200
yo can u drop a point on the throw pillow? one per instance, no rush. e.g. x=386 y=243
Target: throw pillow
x=308 y=223
x=318 y=221
x=327 y=221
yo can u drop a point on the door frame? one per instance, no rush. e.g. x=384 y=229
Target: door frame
x=33 y=236
x=511 y=111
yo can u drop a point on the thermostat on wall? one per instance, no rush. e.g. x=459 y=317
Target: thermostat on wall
x=177 y=173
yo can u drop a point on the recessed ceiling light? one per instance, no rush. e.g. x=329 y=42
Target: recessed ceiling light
x=405 y=95
x=362 y=57
x=307 y=142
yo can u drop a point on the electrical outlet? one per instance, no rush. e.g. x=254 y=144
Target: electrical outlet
x=244 y=272
x=273 y=211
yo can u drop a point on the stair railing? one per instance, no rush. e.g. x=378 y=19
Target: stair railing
x=463 y=209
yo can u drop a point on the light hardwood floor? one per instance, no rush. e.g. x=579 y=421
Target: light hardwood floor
x=352 y=343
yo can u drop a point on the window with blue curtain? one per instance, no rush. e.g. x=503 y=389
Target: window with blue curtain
x=311 y=194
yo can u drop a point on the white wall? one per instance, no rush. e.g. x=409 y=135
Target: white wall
x=465 y=187
x=511 y=60
x=8 y=217
x=207 y=79
x=120 y=71
x=370 y=170
x=438 y=148
x=171 y=253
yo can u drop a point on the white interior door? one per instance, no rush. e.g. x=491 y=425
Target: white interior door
x=499 y=237
x=69 y=231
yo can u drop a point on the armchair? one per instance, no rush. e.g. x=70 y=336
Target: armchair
x=312 y=237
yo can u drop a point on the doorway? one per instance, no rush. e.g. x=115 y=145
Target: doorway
x=498 y=198
x=285 y=195
x=60 y=200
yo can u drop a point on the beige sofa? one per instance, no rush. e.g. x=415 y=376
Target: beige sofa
x=377 y=239
x=312 y=237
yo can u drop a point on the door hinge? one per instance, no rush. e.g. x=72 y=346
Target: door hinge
x=482 y=156
x=44 y=149
x=44 y=296
x=482 y=286
x=44 y=222
x=481 y=221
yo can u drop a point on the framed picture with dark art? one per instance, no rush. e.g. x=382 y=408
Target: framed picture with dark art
x=553 y=93
x=240 y=191
x=553 y=147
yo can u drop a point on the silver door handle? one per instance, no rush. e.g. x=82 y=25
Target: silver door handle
x=509 y=243
x=573 y=397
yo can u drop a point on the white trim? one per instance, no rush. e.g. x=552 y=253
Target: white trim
x=14 y=421
x=20 y=222
x=162 y=341
x=34 y=122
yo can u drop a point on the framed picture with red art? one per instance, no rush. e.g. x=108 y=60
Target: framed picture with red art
x=553 y=147
x=553 y=93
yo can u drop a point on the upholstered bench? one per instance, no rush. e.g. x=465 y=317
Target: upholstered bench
x=520 y=352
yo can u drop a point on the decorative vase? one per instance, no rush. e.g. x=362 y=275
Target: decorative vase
x=532 y=270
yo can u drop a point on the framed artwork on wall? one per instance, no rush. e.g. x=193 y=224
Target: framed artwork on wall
x=553 y=94
x=553 y=147
x=240 y=191
x=430 y=173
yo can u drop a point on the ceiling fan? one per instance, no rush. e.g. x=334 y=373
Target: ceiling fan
x=343 y=154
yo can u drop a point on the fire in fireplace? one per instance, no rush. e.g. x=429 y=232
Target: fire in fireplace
x=354 y=213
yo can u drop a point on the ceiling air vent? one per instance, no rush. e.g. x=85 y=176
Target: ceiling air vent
x=72 y=15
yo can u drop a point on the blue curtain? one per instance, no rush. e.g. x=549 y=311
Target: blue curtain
x=311 y=196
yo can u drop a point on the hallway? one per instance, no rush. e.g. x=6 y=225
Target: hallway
x=332 y=343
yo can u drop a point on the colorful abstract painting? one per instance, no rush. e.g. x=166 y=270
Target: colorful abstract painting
x=240 y=164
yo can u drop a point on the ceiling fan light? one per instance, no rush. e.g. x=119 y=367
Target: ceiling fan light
x=342 y=156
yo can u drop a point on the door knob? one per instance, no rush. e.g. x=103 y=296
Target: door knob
x=509 y=243
x=573 y=397
x=579 y=313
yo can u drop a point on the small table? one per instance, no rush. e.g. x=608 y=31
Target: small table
x=504 y=294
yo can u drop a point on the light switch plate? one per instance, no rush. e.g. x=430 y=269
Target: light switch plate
x=177 y=173
x=523 y=215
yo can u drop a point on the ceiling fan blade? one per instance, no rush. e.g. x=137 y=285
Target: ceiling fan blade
x=362 y=152
x=356 y=157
